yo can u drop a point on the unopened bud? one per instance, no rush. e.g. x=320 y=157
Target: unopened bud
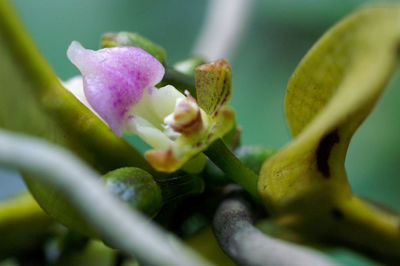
x=135 y=187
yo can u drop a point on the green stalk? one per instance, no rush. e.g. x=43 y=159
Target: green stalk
x=239 y=173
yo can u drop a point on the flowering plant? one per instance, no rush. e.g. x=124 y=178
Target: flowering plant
x=196 y=173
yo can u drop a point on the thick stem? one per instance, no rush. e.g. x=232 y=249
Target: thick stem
x=239 y=173
x=234 y=230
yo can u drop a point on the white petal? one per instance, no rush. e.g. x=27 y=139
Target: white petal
x=156 y=104
x=145 y=110
x=75 y=86
x=148 y=133
x=163 y=100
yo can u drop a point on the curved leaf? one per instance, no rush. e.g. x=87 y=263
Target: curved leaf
x=328 y=96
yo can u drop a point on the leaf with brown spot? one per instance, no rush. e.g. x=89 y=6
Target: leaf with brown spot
x=333 y=89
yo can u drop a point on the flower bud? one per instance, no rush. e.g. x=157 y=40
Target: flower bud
x=253 y=156
x=135 y=187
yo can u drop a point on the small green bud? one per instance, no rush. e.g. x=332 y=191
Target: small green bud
x=135 y=187
x=113 y=39
x=253 y=156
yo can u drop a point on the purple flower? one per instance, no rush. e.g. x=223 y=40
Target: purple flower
x=118 y=84
x=115 y=79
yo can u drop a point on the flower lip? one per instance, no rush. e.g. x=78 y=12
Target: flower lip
x=186 y=117
x=115 y=79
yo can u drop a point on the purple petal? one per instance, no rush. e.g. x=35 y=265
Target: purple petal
x=114 y=79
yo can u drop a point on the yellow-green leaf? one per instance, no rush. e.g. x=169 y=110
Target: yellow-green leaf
x=331 y=92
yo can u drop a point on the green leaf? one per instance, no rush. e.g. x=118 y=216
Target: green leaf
x=33 y=101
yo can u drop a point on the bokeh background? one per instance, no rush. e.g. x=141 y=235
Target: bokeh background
x=277 y=36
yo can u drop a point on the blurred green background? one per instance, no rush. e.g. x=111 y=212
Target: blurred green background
x=278 y=35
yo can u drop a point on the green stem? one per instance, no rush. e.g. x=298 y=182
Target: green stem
x=239 y=173
x=247 y=245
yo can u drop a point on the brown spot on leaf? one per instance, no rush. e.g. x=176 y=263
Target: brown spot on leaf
x=337 y=214
x=397 y=49
x=324 y=150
